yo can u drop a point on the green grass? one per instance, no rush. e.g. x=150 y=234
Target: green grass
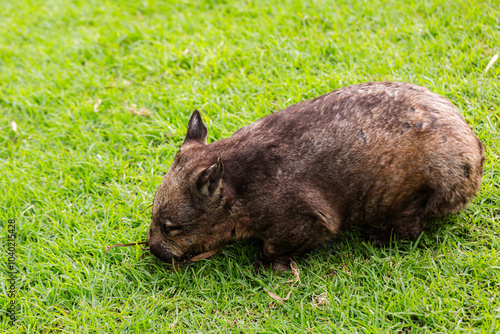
x=76 y=180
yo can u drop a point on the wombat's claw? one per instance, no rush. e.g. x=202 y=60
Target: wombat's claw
x=262 y=264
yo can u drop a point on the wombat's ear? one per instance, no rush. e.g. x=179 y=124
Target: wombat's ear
x=209 y=184
x=196 y=131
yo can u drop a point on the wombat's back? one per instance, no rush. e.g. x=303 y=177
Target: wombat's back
x=370 y=149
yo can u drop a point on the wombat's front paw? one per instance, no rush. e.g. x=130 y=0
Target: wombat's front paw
x=379 y=236
x=275 y=265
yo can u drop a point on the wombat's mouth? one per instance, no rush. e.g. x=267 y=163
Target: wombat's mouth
x=166 y=251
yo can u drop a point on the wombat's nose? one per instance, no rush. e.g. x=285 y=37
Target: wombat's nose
x=157 y=247
x=160 y=252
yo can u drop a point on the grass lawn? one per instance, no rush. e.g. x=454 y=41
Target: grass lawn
x=81 y=169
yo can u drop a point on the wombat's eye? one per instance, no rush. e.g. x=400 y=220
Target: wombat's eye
x=167 y=229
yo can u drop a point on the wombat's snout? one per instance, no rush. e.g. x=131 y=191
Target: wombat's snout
x=158 y=248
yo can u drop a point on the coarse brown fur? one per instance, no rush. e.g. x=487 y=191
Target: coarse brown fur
x=384 y=156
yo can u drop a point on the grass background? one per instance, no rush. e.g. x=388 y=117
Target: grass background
x=76 y=180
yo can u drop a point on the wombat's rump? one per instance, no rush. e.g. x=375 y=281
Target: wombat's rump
x=382 y=155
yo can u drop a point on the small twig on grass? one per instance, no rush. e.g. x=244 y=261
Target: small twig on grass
x=276 y=297
x=319 y=300
x=96 y=105
x=134 y=110
x=490 y=64
x=296 y=272
x=13 y=126
x=146 y=208
x=125 y=245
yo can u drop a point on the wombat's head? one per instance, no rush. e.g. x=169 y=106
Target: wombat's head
x=191 y=206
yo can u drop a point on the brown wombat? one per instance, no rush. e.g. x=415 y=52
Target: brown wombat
x=383 y=156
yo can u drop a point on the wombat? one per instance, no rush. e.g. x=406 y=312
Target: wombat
x=384 y=156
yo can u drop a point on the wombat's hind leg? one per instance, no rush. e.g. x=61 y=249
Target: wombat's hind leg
x=409 y=224
x=406 y=225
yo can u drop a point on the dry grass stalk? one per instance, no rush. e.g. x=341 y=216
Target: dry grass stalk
x=132 y=108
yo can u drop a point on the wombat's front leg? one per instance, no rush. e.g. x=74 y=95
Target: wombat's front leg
x=274 y=265
x=291 y=240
